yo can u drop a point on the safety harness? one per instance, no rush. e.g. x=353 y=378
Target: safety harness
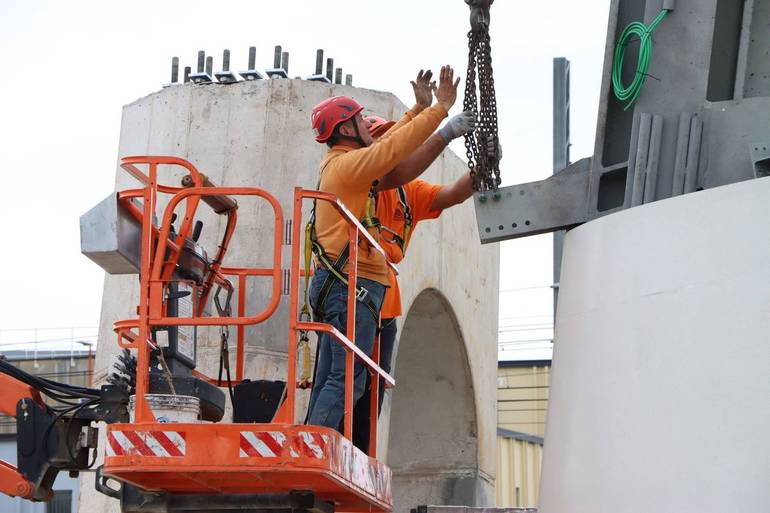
x=402 y=240
x=314 y=247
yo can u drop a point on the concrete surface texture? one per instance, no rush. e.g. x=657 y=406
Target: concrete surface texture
x=659 y=387
x=441 y=417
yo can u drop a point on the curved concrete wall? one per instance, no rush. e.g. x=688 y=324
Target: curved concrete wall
x=433 y=437
x=258 y=134
x=661 y=371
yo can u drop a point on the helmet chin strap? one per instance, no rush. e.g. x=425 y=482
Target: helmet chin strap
x=357 y=137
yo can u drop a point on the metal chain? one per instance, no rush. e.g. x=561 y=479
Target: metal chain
x=482 y=145
x=470 y=103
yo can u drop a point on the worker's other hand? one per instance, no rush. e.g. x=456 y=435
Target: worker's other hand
x=458 y=125
x=491 y=147
x=446 y=92
x=423 y=93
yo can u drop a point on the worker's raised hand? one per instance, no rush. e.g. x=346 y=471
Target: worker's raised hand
x=458 y=125
x=423 y=94
x=446 y=92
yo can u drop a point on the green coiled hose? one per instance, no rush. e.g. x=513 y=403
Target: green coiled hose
x=644 y=33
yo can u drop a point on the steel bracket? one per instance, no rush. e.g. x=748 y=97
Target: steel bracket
x=556 y=203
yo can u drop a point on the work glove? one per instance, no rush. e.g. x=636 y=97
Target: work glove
x=458 y=125
x=491 y=150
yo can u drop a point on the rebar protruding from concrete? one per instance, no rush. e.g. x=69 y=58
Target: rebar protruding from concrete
x=226 y=76
x=201 y=60
x=205 y=64
x=349 y=80
x=187 y=71
x=252 y=73
x=174 y=70
x=338 y=76
x=285 y=61
x=318 y=76
x=319 y=62
x=279 y=69
x=330 y=69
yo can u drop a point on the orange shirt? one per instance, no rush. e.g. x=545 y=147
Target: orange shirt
x=348 y=174
x=420 y=196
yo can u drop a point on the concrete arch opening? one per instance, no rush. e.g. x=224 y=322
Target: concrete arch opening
x=433 y=442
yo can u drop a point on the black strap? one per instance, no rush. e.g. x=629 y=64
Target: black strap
x=326 y=287
x=403 y=240
x=336 y=268
x=402 y=197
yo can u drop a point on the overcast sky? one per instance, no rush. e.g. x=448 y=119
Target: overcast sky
x=71 y=66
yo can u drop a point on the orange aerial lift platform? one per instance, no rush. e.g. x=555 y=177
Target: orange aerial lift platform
x=269 y=462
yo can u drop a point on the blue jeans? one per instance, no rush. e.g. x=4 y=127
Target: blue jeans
x=327 y=399
x=361 y=413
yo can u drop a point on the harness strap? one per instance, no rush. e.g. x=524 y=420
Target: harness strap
x=402 y=240
x=335 y=269
x=402 y=198
x=314 y=247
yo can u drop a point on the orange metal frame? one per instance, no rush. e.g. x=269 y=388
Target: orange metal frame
x=216 y=457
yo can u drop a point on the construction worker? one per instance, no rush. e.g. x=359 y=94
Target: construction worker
x=399 y=210
x=351 y=169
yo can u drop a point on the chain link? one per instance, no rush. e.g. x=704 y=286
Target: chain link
x=482 y=145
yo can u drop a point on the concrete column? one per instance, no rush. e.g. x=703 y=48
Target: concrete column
x=659 y=385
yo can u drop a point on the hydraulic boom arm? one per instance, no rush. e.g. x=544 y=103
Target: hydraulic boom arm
x=51 y=438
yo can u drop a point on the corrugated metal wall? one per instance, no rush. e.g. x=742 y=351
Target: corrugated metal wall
x=518 y=472
x=522 y=404
x=522 y=395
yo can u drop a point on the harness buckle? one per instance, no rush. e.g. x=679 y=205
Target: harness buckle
x=361 y=294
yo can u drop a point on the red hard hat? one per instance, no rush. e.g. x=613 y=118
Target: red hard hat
x=330 y=113
x=378 y=126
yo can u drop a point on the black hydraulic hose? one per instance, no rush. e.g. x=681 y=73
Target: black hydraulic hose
x=53 y=389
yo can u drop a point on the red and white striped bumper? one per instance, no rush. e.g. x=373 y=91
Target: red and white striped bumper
x=248 y=458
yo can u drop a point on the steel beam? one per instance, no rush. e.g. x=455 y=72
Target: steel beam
x=557 y=203
x=561 y=146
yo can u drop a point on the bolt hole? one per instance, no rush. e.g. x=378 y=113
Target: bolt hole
x=500 y=227
x=527 y=223
x=514 y=225
x=487 y=229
